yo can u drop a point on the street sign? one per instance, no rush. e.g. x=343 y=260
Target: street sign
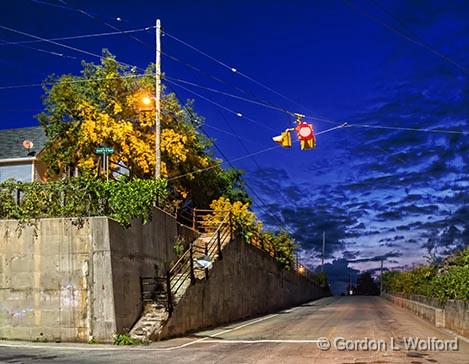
x=104 y=150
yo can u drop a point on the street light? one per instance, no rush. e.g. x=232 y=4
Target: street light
x=145 y=103
x=146 y=100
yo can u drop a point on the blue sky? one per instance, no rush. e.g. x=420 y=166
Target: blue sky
x=375 y=192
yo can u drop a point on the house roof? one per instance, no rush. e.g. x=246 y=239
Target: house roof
x=11 y=142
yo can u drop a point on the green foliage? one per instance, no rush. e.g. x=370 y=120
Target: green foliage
x=278 y=244
x=283 y=247
x=122 y=200
x=322 y=279
x=102 y=106
x=448 y=281
x=179 y=246
x=126 y=339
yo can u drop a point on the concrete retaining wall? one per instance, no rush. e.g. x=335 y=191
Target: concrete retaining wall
x=60 y=281
x=453 y=315
x=247 y=282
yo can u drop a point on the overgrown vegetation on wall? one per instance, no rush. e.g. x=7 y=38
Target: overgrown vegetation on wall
x=279 y=244
x=123 y=200
x=448 y=280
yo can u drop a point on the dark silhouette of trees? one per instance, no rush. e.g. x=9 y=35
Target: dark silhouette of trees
x=366 y=285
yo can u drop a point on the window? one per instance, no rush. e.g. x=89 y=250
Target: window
x=19 y=172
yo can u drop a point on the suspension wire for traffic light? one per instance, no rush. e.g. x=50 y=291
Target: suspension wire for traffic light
x=217 y=79
x=406 y=36
x=230 y=95
x=252 y=158
x=266 y=210
x=245 y=156
x=426 y=130
x=83 y=36
x=220 y=105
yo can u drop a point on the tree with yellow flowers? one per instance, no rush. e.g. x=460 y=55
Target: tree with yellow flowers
x=101 y=106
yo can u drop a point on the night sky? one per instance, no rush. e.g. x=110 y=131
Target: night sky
x=402 y=195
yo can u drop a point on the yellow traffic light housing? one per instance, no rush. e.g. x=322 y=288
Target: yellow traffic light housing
x=283 y=139
x=308 y=144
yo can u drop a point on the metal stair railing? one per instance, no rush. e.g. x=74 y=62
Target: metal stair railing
x=184 y=269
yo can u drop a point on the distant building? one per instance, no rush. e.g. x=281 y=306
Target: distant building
x=19 y=151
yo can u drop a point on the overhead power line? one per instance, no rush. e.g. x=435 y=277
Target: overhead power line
x=235 y=70
x=407 y=36
x=40 y=50
x=64 y=45
x=9 y=87
x=245 y=156
x=83 y=36
x=229 y=95
x=239 y=114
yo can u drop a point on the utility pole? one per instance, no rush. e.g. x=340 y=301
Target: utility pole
x=323 y=249
x=158 y=100
x=381 y=279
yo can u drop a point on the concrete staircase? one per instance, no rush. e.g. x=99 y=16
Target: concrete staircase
x=156 y=313
x=152 y=320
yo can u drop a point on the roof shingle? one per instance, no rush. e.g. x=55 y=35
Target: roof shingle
x=11 y=142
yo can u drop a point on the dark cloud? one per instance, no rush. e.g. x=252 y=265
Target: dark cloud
x=340 y=274
x=378 y=258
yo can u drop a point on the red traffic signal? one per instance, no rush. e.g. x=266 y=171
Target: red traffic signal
x=306 y=136
x=305 y=131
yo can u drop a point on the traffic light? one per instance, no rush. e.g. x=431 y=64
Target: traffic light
x=306 y=136
x=283 y=139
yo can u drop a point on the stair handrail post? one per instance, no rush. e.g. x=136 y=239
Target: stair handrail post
x=220 y=256
x=231 y=225
x=168 y=293
x=194 y=219
x=191 y=263
x=206 y=253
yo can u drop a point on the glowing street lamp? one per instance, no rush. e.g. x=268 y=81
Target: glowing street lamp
x=145 y=103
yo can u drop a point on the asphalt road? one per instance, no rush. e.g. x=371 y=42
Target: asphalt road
x=357 y=329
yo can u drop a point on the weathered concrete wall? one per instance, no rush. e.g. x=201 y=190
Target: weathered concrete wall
x=43 y=284
x=60 y=281
x=457 y=316
x=141 y=251
x=430 y=313
x=453 y=315
x=245 y=283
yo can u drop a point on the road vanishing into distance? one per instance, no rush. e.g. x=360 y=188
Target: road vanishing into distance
x=345 y=330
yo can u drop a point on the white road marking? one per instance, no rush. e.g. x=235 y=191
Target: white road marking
x=286 y=341
x=39 y=346
x=204 y=340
